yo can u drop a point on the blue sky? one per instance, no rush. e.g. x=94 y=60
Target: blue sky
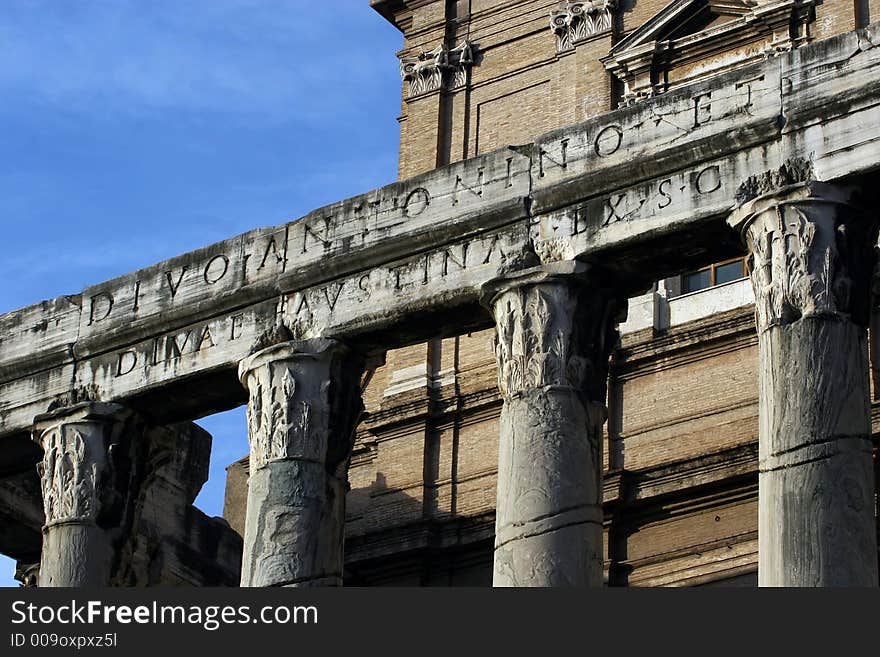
x=133 y=131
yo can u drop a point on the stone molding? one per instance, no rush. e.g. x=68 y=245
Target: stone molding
x=810 y=254
x=440 y=68
x=579 y=21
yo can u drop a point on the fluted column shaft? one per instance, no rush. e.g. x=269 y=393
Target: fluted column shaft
x=303 y=409
x=811 y=262
x=553 y=336
x=84 y=475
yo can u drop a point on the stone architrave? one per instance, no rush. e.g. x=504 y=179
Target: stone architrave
x=554 y=333
x=811 y=261
x=84 y=478
x=303 y=409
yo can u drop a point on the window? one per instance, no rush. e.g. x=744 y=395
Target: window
x=717 y=274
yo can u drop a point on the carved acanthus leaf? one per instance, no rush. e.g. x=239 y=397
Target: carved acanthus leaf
x=439 y=68
x=791 y=172
x=797 y=272
x=578 y=21
x=277 y=421
x=68 y=477
x=553 y=250
x=811 y=254
x=541 y=341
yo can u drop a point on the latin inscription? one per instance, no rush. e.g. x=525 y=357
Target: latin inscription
x=309 y=311
x=165 y=349
x=638 y=203
x=336 y=232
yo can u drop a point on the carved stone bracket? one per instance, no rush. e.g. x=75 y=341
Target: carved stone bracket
x=440 y=68
x=578 y=21
x=810 y=253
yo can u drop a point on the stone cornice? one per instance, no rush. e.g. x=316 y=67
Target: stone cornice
x=398 y=12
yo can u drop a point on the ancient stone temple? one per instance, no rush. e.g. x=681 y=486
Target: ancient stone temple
x=615 y=324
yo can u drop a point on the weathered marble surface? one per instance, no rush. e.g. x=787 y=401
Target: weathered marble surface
x=812 y=259
x=85 y=475
x=117 y=503
x=303 y=409
x=644 y=190
x=555 y=332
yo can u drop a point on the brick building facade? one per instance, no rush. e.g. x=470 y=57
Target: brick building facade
x=680 y=454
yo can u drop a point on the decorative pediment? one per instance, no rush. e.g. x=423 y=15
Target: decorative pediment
x=692 y=39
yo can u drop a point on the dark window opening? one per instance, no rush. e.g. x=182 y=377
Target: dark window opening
x=716 y=274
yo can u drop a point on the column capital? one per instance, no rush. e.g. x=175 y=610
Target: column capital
x=300 y=392
x=810 y=253
x=314 y=348
x=77 y=471
x=304 y=404
x=89 y=411
x=555 y=328
x=563 y=271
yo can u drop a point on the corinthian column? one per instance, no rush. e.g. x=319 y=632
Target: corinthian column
x=303 y=409
x=84 y=474
x=553 y=337
x=811 y=267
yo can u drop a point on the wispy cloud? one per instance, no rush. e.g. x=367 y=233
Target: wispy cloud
x=132 y=56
